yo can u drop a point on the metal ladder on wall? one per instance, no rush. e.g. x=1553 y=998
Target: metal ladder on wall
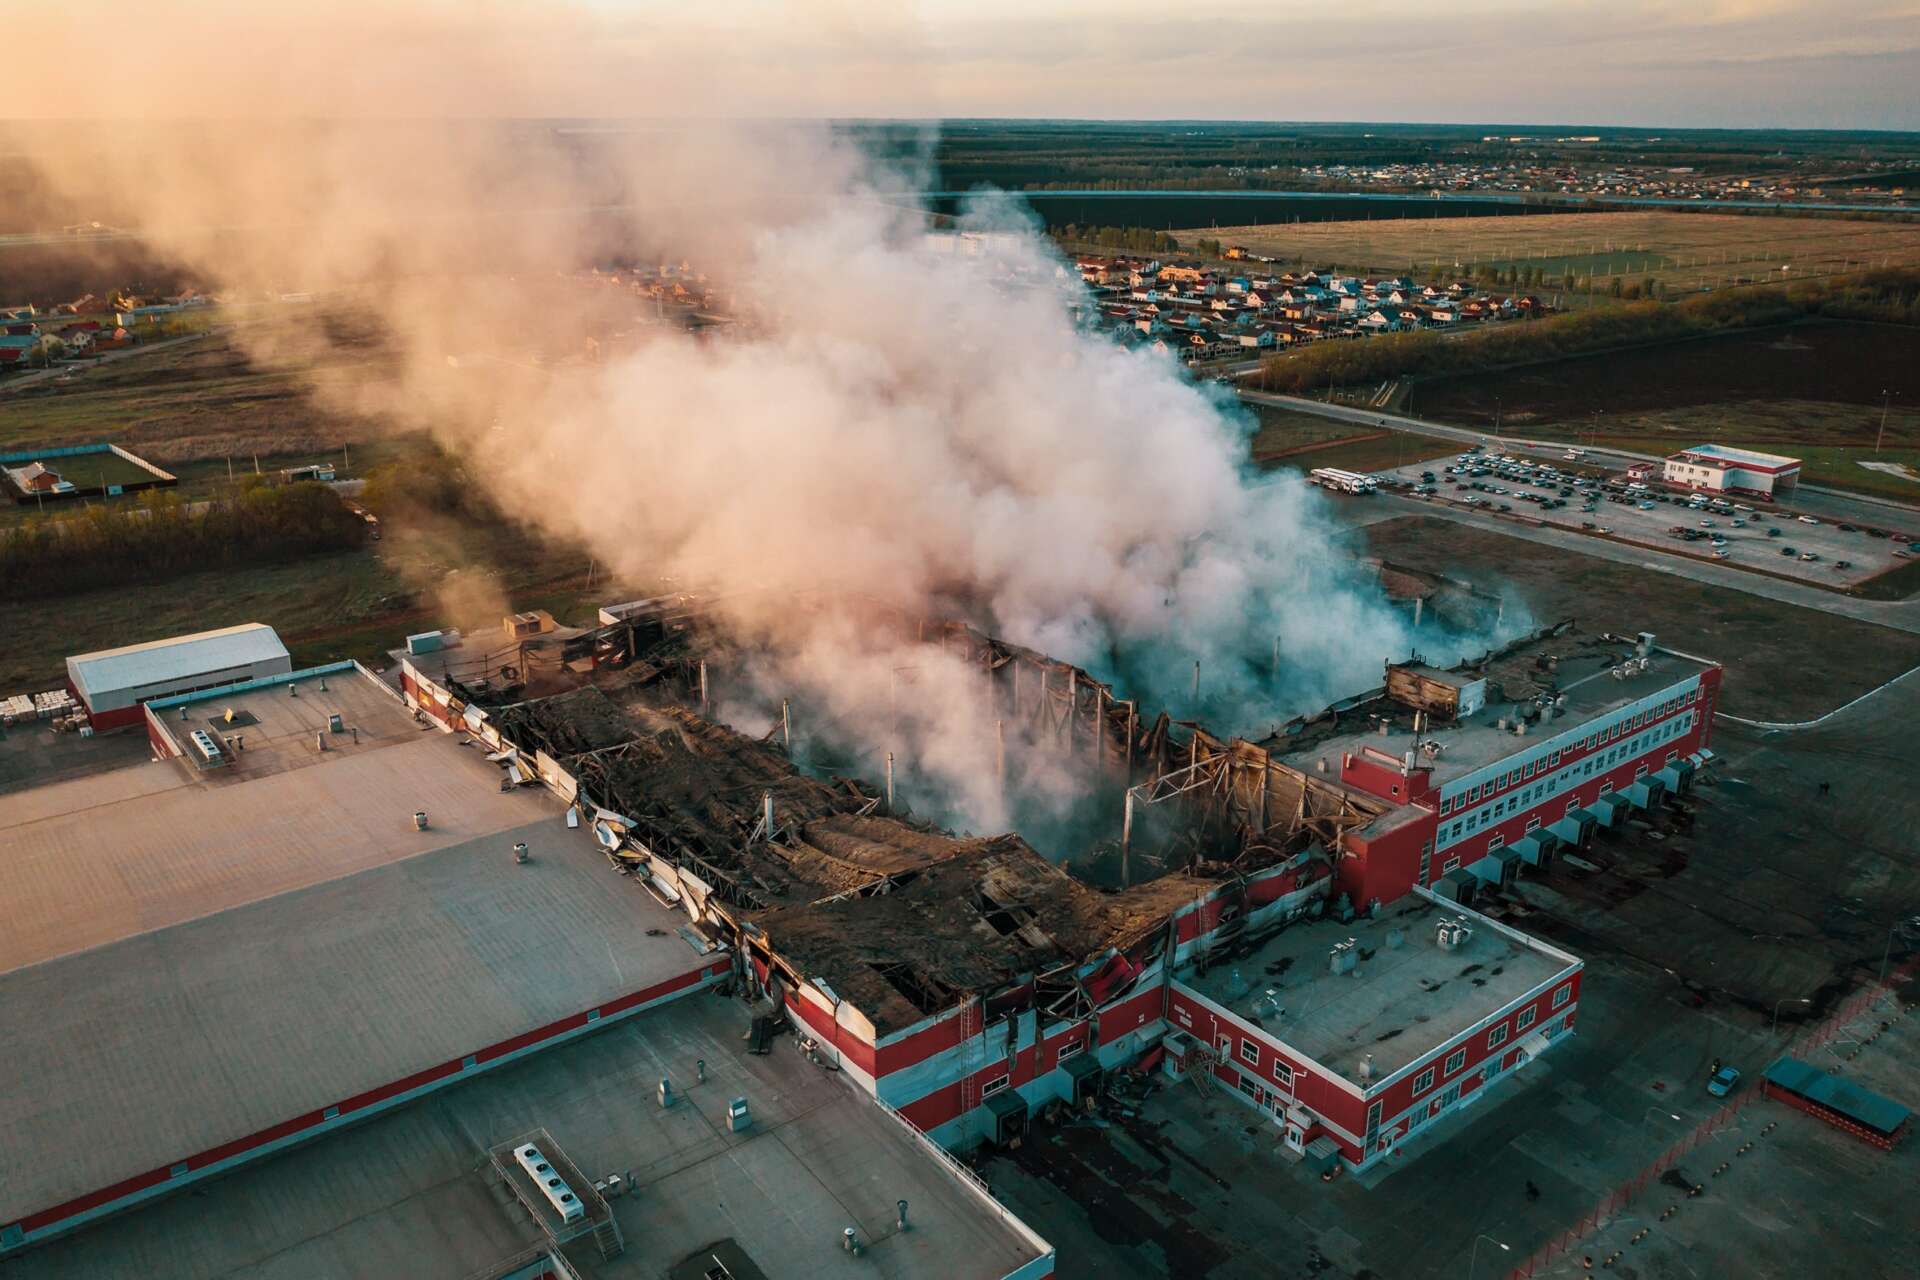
x=971 y=1028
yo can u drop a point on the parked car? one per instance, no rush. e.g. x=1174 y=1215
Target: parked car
x=1808 y=520
x=1773 y=533
x=1847 y=528
x=1843 y=564
x=1723 y=1082
x=1788 y=551
x=1809 y=556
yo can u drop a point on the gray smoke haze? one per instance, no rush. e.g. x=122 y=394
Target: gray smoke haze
x=911 y=417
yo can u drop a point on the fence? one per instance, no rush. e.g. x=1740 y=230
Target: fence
x=1627 y=1192
x=968 y=1177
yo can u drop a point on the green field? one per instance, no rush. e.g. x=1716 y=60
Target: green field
x=354 y=604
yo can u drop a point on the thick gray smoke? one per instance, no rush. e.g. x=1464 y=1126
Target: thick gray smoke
x=919 y=418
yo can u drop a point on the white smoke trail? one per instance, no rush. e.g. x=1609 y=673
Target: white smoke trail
x=890 y=414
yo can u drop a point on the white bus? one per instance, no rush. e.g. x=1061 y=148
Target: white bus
x=1343 y=481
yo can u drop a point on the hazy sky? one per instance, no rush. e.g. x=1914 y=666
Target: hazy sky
x=1731 y=63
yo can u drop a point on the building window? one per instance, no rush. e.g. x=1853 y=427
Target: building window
x=1250 y=1052
x=1605 y=787
x=1563 y=995
x=1572 y=805
x=1533 y=823
x=1529 y=770
x=993 y=1086
x=1525 y=1019
x=1423 y=1082
x=1249 y=1088
x=1455 y=1060
x=1068 y=1050
x=1497 y=1036
x=1640 y=772
x=1473 y=795
x=1553 y=759
x=1451 y=864
x=1495 y=842
x=1283 y=1073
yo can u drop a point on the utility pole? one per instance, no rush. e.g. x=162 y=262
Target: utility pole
x=1886 y=404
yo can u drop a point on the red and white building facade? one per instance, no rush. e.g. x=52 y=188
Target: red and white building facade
x=1458 y=822
x=1721 y=469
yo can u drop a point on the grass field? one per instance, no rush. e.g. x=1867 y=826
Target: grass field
x=1816 y=391
x=1303 y=441
x=354 y=604
x=1684 y=251
x=200 y=399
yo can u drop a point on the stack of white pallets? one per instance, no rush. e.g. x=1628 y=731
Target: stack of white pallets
x=17 y=708
x=55 y=702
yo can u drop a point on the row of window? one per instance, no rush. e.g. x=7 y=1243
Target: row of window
x=1495 y=1038
x=1499 y=810
x=1551 y=760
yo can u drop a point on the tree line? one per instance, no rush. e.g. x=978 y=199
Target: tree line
x=1888 y=297
x=160 y=535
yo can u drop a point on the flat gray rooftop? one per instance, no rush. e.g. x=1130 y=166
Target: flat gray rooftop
x=281 y=725
x=1399 y=1003
x=1478 y=740
x=163 y=1044
x=96 y=859
x=407 y=1193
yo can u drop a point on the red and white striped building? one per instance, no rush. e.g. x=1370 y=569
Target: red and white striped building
x=1461 y=778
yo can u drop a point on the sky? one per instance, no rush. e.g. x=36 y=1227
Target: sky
x=1837 y=64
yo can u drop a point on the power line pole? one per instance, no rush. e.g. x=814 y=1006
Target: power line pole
x=1886 y=403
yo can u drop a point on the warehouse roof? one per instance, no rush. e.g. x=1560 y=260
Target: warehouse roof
x=156 y=661
x=1404 y=998
x=191 y=956
x=407 y=1192
x=129 y=1057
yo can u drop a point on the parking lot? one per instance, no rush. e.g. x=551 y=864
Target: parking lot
x=1574 y=494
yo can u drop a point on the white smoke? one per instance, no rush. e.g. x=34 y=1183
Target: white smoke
x=890 y=413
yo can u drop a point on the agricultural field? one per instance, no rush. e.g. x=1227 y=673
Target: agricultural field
x=354 y=604
x=203 y=398
x=1819 y=391
x=1685 y=252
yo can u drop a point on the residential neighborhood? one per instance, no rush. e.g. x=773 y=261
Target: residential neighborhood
x=1198 y=314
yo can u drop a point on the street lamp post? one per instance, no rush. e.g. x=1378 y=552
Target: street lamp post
x=1886 y=954
x=1474 y=1259
x=1886 y=404
x=1776 y=1010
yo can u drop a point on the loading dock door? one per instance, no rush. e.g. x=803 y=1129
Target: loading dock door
x=1009 y=1111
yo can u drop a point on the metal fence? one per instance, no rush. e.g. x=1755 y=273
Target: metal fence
x=1627 y=1192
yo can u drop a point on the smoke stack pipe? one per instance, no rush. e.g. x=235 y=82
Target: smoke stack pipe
x=1126 y=843
x=786 y=723
x=703 y=686
x=889 y=780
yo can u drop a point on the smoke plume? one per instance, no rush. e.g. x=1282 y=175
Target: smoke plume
x=920 y=418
